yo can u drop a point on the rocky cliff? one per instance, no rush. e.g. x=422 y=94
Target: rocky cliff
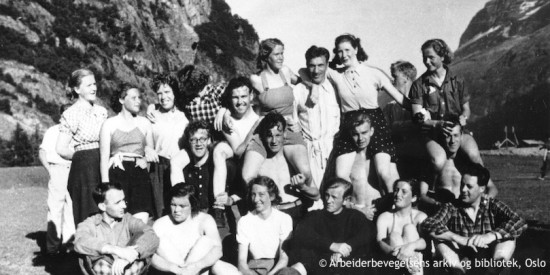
x=42 y=41
x=504 y=54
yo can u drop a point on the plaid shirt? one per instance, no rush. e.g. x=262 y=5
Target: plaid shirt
x=207 y=104
x=83 y=122
x=492 y=216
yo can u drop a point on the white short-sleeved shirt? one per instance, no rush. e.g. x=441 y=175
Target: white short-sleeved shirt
x=176 y=240
x=48 y=145
x=242 y=126
x=167 y=131
x=264 y=236
x=358 y=87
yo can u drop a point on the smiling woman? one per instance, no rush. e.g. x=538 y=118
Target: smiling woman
x=81 y=124
x=126 y=144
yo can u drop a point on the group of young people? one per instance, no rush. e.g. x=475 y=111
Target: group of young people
x=308 y=160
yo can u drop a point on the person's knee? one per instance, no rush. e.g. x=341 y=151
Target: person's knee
x=410 y=233
x=395 y=239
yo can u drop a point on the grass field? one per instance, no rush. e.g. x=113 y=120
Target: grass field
x=23 y=200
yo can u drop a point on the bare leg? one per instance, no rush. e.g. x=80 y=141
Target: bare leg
x=410 y=233
x=469 y=146
x=297 y=157
x=395 y=239
x=343 y=166
x=387 y=173
x=252 y=164
x=449 y=255
x=503 y=252
x=437 y=155
x=222 y=152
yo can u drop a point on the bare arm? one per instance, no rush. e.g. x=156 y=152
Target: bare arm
x=210 y=230
x=243 y=260
x=105 y=150
x=382 y=225
x=150 y=153
x=43 y=159
x=281 y=263
x=177 y=163
x=163 y=265
x=63 y=147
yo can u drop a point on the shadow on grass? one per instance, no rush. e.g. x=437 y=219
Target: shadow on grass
x=55 y=265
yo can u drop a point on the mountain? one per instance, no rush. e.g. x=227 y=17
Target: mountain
x=42 y=41
x=504 y=55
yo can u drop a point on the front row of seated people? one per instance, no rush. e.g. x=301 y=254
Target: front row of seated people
x=187 y=241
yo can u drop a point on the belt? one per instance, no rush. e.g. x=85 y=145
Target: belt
x=289 y=205
x=133 y=159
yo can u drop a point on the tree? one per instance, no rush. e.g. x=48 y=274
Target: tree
x=19 y=150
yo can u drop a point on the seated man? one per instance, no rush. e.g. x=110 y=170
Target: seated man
x=114 y=242
x=197 y=141
x=333 y=233
x=271 y=131
x=476 y=226
x=357 y=124
x=189 y=240
x=237 y=98
x=448 y=184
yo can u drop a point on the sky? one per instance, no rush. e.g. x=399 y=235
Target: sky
x=389 y=30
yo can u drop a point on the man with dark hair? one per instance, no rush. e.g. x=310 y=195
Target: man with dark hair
x=114 y=242
x=271 y=131
x=189 y=239
x=475 y=226
x=61 y=226
x=448 y=181
x=333 y=233
x=318 y=113
x=197 y=143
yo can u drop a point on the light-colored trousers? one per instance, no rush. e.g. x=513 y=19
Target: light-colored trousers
x=61 y=227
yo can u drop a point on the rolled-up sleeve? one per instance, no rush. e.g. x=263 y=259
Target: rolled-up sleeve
x=509 y=224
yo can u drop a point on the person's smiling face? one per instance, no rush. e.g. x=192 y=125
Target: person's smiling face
x=347 y=54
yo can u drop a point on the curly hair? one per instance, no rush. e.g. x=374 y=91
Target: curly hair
x=266 y=47
x=272 y=190
x=415 y=187
x=353 y=119
x=191 y=129
x=270 y=120
x=355 y=43
x=237 y=82
x=74 y=81
x=192 y=79
x=166 y=79
x=314 y=52
x=121 y=93
x=440 y=48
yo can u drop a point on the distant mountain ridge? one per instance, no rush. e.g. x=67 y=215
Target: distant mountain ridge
x=42 y=41
x=504 y=55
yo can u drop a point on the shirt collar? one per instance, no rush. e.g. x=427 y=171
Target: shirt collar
x=427 y=79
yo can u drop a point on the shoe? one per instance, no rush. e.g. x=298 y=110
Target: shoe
x=219 y=217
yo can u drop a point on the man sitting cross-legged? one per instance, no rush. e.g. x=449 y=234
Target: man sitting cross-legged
x=114 y=242
x=189 y=239
x=333 y=233
x=271 y=131
x=475 y=226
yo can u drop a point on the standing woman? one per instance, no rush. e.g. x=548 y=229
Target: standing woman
x=126 y=144
x=81 y=123
x=275 y=95
x=441 y=92
x=358 y=85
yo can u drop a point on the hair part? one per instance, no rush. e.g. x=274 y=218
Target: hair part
x=272 y=189
x=340 y=182
x=266 y=47
x=121 y=93
x=477 y=170
x=183 y=189
x=404 y=67
x=74 y=81
x=440 y=48
x=235 y=83
x=314 y=52
x=270 y=121
x=355 y=42
x=100 y=192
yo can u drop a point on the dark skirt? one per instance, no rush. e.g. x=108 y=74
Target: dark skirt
x=84 y=177
x=159 y=174
x=136 y=186
x=380 y=141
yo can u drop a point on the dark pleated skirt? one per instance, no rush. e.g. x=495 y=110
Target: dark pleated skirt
x=84 y=176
